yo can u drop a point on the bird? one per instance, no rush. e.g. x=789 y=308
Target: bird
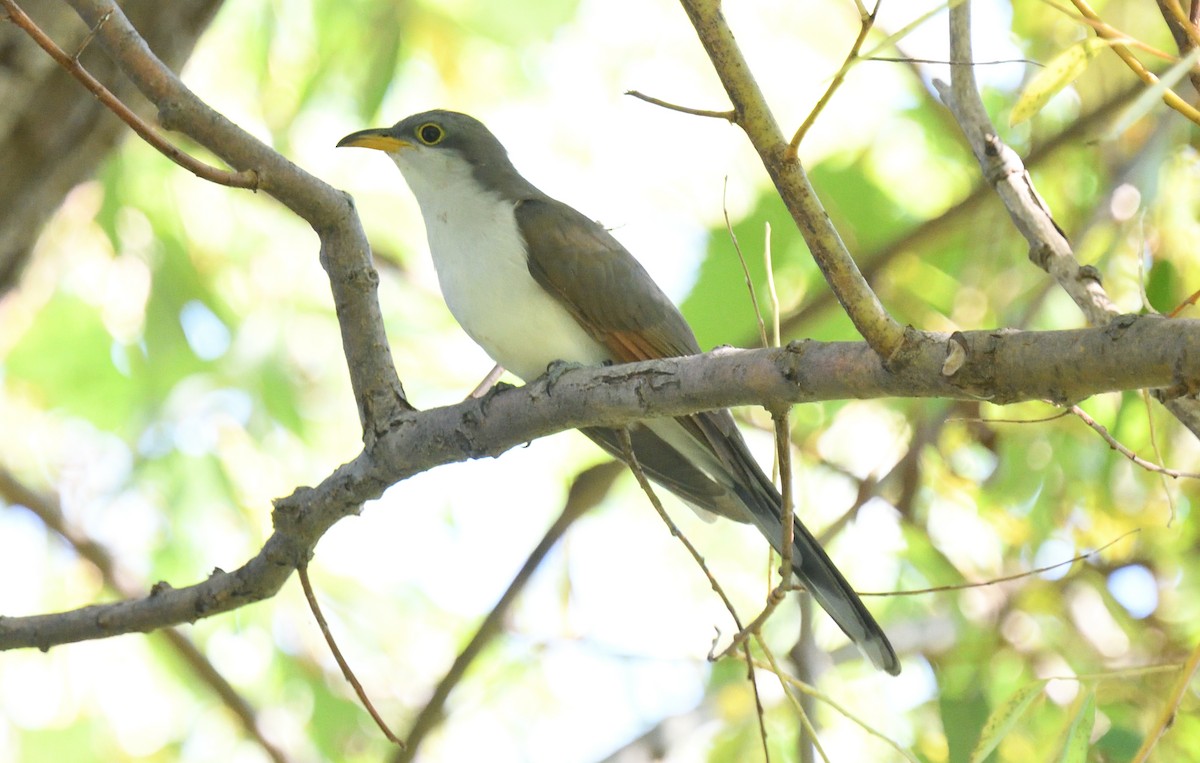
x=534 y=282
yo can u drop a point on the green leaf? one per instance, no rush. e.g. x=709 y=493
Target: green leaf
x=962 y=707
x=1062 y=70
x=1079 y=733
x=66 y=358
x=1004 y=717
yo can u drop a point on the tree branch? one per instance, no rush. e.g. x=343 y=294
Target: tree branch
x=49 y=511
x=345 y=253
x=1002 y=167
x=999 y=366
x=1003 y=170
x=243 y=179
x=881 y=331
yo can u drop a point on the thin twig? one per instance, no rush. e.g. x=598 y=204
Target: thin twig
x=1185 y=303
x=1170 y=97
x=783 y=454
x=787 y=509
x=644 y=483
x=811 y=691
x=867 y=22
x=943 y=62
x=1125 y=451
x=640 y=475
x=729 y=116
x=762 y=327
x=91 y=35
x=772 y=294
x=1006 y=578
x=759 y=710
x=1158 y=454
x=246 y=179
x=805 y=722
x=983 y=420
x=302 y=571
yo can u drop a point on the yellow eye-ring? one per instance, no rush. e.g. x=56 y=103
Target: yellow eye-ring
x=430 y=133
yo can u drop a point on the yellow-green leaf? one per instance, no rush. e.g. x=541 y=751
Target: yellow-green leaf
x=1079 y=734
x=1064 y=69
x=1001 y=721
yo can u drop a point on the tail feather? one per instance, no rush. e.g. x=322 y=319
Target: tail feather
x=811 y=565
x=684 y=461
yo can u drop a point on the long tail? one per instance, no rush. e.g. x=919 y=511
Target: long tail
x=745 y=493
x=828 y=586
x=810 y=563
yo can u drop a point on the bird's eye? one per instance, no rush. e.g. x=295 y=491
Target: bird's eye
x=430 y=134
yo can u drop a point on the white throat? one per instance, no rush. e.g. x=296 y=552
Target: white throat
x=480 y=258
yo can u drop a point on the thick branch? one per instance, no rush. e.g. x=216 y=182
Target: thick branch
x=1048 y=246
x=1002 y=168
x=345 y=253
x=999 y=366
x=880 y=330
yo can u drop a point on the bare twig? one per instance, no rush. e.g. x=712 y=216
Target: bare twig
x=1158 y=454
x=1043 y=420
x=1184 y=304
x=1006 y=578
x=1116 y=445
x=762 y=327
x=728 y=116
x=866 y=23
x=1170 y=97
x=772 y=294
x=783 y=455
x=351 y=679
x=759 y=710
x=861 y=304
x=805 y=722
x=787 y=510
x=812 y=691
x=644 y=483
x=648 y=489
x=244 y=179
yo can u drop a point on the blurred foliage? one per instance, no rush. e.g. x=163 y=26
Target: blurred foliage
x=171 y=363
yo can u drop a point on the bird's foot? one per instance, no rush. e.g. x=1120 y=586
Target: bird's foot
x=556 y=370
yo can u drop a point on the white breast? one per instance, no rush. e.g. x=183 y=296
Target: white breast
x=481 y=266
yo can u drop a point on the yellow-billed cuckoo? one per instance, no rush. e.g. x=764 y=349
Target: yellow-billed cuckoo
x=533 y=282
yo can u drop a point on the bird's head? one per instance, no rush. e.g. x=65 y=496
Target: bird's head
x=435 y=149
